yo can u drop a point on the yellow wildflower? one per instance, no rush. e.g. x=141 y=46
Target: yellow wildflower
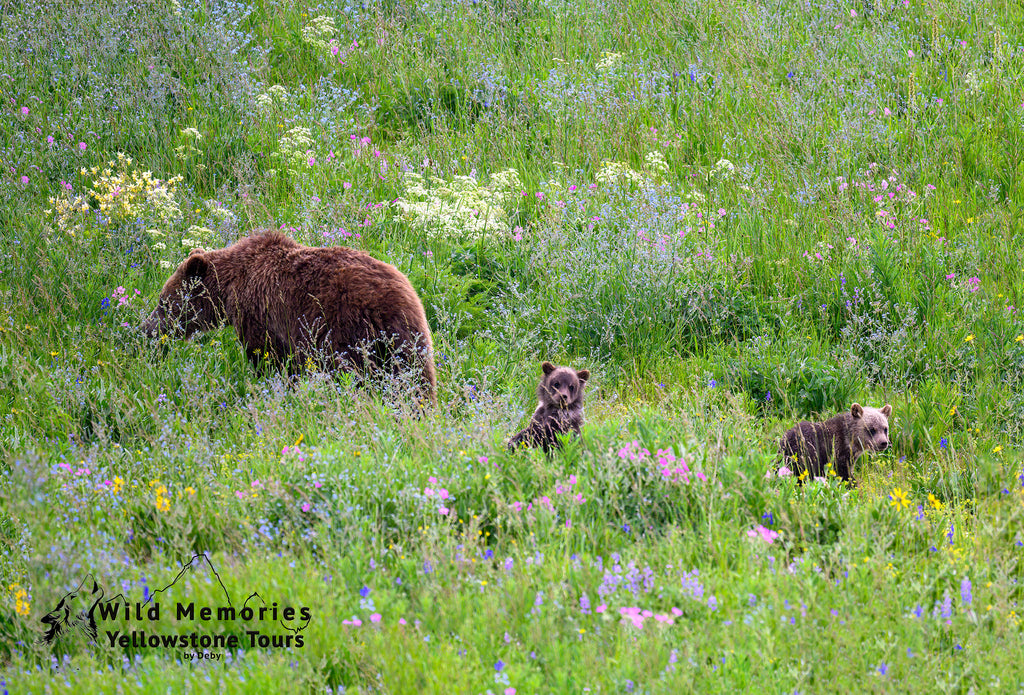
x=21 y=602
x=163 y=501
x=898 y=499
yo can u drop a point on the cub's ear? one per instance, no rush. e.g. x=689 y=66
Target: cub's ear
x=857 y=410
x=583 y=374
x=548 y=368
x=887 y=410
x=196 y=264
x=193 y=252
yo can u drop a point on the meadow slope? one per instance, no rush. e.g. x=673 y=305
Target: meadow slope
x=736 y=215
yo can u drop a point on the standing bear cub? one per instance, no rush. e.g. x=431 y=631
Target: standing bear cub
x=559 y=408
x=810 y=447
x=288 y=301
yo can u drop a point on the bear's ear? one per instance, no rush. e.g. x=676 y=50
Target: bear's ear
x=887 y=410
x=193 y=252
x=857 y=410
x=196 y=264
x=548 y=368
x=583 y=374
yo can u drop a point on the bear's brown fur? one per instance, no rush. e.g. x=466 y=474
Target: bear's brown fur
x=286 y=301
x=811 y=446
x=559 y=407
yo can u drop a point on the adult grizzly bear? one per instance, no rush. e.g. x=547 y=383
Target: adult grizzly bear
x=286 y=301
x=811 y=446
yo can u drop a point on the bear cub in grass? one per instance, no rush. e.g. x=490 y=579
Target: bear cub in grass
x=812 y=446
x=559 y=408
x=288 y=301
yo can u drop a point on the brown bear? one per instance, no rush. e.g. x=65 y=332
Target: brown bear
x=559 y=408
x=288 y=301
x=811 y=447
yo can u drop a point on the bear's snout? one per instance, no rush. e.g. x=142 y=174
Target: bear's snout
x=883 y=445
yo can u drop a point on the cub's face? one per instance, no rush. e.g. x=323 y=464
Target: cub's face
x=871 y=427
x=561 y=387
x=185 y=306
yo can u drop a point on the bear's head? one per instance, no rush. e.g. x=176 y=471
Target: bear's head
x=870 y=428
x=561 y=387
x=187 y=301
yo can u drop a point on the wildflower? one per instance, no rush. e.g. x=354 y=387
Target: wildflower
x=969 y=338
x=932 y=500
x=898 y=499
x=22 y=605
x=498 y=665
x=375 y=618
x=965 y=591
x=943 y=443
x=997 y=449
x=163 y=501
x=364 y=592
x=765 y=534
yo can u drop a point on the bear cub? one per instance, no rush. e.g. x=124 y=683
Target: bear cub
x=812 y=446
x=559 y=408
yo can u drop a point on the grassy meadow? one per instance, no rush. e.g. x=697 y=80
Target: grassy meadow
x=735 y=214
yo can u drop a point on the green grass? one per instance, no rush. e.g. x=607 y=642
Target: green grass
x=863 y=246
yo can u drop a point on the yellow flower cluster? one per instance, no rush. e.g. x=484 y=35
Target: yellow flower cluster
x=462 y=207
x=21 y=602
x=162 y=499
x=121 y=194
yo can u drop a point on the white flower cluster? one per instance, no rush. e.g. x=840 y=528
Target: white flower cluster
x=655 y=170
x=609 y=61
x=460 y=208
x=188 y=148
x=294 y=148
x=618 y=172
x=723 y=169
x=274 y=99
x=319 y=31
x=197 y=237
